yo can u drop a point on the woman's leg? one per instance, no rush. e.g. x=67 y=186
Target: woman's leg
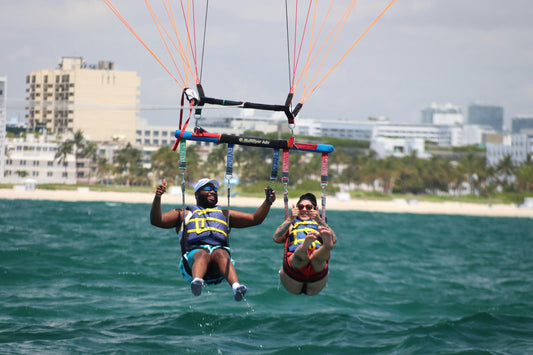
x=320 y=256
x=290 y=284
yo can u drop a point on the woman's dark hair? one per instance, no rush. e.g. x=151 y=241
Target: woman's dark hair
x=308 y=196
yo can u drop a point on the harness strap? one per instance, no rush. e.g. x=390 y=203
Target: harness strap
x=185 y=94
x=285 y=180
x=324 y=182
x=275 y=163
x=183 y=168
x=229 y=174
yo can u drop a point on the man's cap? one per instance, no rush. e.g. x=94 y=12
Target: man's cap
x=202 y=182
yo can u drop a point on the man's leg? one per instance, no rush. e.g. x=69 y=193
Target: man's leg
x=201 y=259
x=223 y=260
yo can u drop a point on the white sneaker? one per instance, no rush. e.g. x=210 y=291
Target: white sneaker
x=196 y=286
x=239 y=292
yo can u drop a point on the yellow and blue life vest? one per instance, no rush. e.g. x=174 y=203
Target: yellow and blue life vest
x=299 y=232
x=206 y=226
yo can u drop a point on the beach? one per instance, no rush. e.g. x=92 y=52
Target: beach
x=394 y=206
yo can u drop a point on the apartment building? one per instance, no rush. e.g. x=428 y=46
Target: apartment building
x=3 y=122
x=96 y=99
x=34 y=158
x=516 y=146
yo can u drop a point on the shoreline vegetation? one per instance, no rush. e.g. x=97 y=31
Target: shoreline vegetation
x=397 y=204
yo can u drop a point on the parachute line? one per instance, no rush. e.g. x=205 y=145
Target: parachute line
x=123 y=20
x=346 y=53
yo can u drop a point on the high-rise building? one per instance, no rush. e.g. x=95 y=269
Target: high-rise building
x=96 y=99
x=520 y=123
x=3 y=121
x=487 y=115
x=446 y=115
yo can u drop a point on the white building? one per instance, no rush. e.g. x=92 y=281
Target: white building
x=35 y=158
x=399 y=147
x=447 y=114
x=3 y=122
x=517 y=146
x=476 y=134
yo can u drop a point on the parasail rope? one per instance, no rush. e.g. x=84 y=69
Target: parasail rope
x=160 y=27
x=346 y=53
x=123 y=20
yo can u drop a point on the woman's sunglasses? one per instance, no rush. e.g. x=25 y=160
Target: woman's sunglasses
x=308 y=207
x=209 y=188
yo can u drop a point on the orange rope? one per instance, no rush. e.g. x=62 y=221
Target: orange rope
x=297 y=57
x=349 y=49
x=193 y=51
x=308 y=62
x=184 y=56
x=160 y=26
x=123 y=20
x=336 y=30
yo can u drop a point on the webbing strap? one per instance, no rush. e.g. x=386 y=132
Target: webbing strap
x=192 y=103
x=183 y=153
x=285 y=180
x=229 y=174
x=324 y=182
x=182 y=169
x=275 y=163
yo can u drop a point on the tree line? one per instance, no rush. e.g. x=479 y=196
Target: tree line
x=352 y=164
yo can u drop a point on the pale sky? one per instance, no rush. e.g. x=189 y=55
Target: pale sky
x=419 y=52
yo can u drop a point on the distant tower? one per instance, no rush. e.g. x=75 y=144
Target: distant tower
x=3 y=121
x=96 y=99
x=520 y=123
x=486 y=115
x=444 y=115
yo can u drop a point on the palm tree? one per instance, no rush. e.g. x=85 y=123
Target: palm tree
x=524 y=175
x=79 y=145
x=165 y=163
x=64 y=150
x=126 y=160
x=505 y=170
x=102 y=168
x=90 y=151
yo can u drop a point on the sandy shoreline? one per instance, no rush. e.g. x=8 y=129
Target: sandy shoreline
x=396 y=206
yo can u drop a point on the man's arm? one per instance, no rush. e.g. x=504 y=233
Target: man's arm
x=169 y=219
x=239 y=219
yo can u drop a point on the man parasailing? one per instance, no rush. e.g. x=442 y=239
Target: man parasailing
x=204 y=234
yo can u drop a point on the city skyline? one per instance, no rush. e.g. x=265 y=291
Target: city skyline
x=417 y=53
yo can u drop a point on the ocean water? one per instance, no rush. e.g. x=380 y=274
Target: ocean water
x=96 y=277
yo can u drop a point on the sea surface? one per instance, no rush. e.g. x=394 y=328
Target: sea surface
x=96 y=277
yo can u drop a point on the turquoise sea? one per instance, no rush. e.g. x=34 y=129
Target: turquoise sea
x=96 y=277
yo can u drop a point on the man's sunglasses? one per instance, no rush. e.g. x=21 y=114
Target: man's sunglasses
x=308 y=207
x=209 y=188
